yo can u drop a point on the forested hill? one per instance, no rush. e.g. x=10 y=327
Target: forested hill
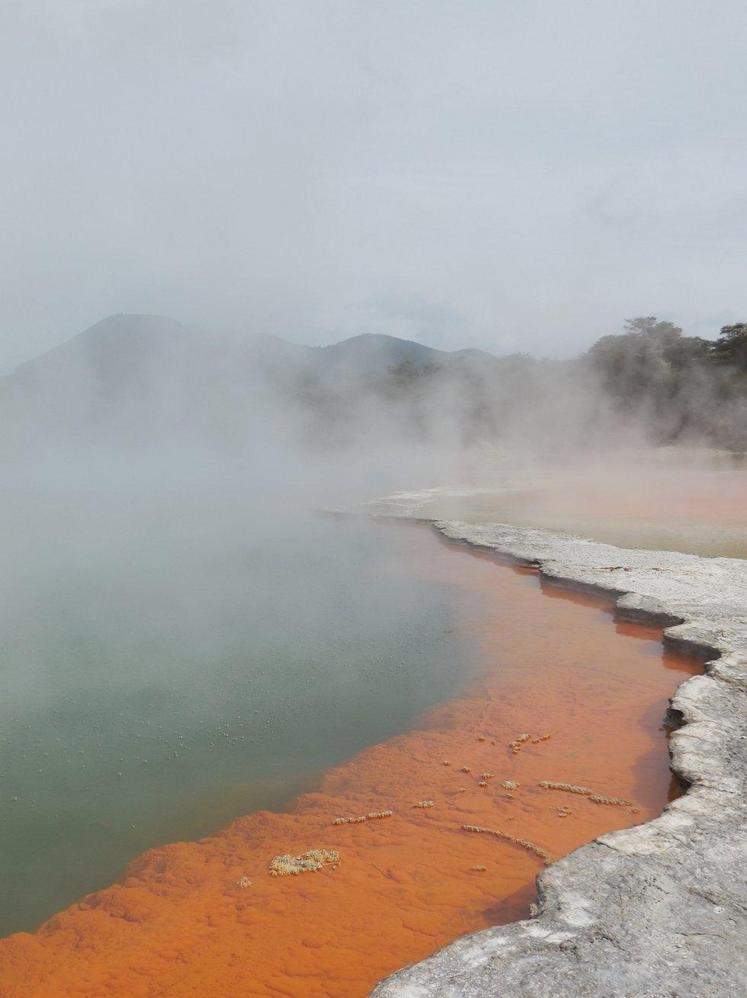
x=138 y=378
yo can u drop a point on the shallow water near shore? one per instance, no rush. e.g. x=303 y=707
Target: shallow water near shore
x=207 y=917
x=158 y=696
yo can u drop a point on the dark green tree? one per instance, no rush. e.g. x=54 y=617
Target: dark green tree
x=652 y=328
x=731 y=346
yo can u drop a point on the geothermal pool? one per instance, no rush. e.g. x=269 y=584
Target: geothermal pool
x=157 y=686
x=485 y=656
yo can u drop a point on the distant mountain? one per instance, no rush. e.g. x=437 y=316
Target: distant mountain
x=130 y=349
x=375 y=353
x=135 y=374
x=113 y=350
x=149 y=380
x=125 y=376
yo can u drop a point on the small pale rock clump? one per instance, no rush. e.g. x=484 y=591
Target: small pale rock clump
x=568 y=788
x=360 y=818
x=518 y=742
x=611 y=801
x=526 y=739
x=524 y=843
x=308 y=862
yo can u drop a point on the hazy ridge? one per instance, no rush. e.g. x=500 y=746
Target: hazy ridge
x=136 y=379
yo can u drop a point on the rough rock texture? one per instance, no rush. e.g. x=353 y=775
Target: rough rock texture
x=661 y=909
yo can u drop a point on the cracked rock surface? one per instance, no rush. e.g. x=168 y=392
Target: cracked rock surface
x=659 y=910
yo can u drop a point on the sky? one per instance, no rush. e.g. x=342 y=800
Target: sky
x=510 y=176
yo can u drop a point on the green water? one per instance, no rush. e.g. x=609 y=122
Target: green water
x=161 y=676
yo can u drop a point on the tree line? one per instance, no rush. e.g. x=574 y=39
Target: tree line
x=649 y=382
x=680 y=388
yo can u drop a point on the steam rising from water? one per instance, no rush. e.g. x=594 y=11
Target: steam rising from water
x=182 y=640
x=172 y=661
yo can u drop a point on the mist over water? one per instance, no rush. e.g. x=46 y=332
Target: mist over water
x=175 y=658
x=184 y=639
x=271 y=270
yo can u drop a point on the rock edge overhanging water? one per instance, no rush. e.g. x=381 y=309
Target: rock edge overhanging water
x=659 y=909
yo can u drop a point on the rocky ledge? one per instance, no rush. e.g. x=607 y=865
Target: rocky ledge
x=660 y=909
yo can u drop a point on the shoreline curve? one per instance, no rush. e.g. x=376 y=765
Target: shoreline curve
x=658 y=909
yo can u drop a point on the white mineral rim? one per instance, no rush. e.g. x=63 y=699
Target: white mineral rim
x=659 y=909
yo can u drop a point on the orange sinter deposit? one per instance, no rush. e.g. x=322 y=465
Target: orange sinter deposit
x=698 y=506
x=558 y=739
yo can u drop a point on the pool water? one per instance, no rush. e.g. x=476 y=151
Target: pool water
x=208 y=918
x=163 y=675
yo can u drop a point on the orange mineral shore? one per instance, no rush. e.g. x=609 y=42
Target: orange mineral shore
x=560 y=737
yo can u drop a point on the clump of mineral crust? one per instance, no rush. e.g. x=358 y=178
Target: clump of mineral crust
x=524 y=843
x=521 y=740
x=612 y=801
x=571 y=788
x=424 y=803
x=510 y=784
x=307 y=862
x=568 y=788
x=518 y=742
x=371 y=816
